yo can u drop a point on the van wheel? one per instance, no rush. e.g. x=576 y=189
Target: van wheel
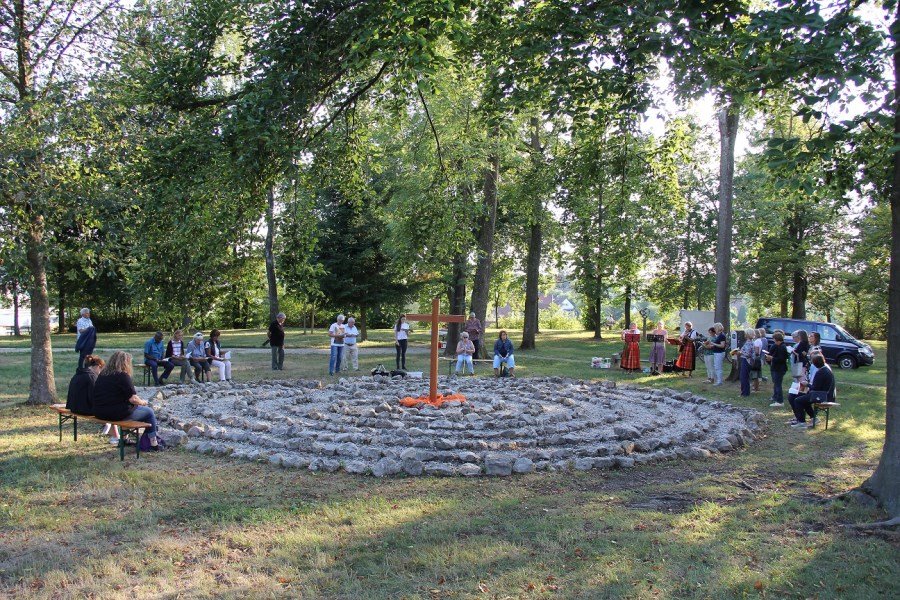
x=847 y=362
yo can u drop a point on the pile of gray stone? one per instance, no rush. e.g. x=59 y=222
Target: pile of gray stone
x=505 y=426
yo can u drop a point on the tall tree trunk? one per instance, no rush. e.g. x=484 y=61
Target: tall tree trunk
x=43 y=385
x=533 y=259
x=486 y=228
x=798 y=297
x=628 y=306
x=271 y=282
x=17 y=330
x=457 y=296
x=884 y=484
x=728 y=125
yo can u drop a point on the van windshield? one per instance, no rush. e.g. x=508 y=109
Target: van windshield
x=847 y=337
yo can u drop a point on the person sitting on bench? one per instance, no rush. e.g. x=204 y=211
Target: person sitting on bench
x=503 y=353
x=80 y=398
x=196 y=354
x=464 y=351
x=820 y=390
x=115 y=398
x=155 y=357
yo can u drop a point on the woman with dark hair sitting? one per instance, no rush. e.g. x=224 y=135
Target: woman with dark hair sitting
x=820 y=390
x=116 y=399
x=80 y=397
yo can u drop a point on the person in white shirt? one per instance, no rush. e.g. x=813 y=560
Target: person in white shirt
x=220 y=360
x=336 y=332
x=351 y=350
x=401 y=337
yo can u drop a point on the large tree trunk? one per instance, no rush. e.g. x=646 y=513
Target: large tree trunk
x=728 y=124
x=457 y=297
x=533 y=259
x=271 y=282
x=798 y=298
x=16 y=329
x=43 y=385
x=486 y=228
x=884 y=484
x=627 y=306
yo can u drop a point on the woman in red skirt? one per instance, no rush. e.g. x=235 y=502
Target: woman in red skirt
x=631 y=353
x=687 y=357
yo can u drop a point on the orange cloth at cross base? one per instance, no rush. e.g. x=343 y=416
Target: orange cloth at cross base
x=441 y=399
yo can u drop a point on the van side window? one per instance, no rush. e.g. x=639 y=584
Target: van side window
x=772 y=324
x=828 y=333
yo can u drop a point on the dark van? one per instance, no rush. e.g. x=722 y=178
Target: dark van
x=840 y=348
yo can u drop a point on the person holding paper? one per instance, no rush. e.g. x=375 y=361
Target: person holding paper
x=217 y=358
x=820 y=390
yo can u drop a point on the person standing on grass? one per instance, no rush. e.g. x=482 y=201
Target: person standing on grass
x=115 y=398
x=351 y=350
x=687 y=356
x=336 y=333
x=657 y=356
x=275 y=335
x=86 y=336
x=401 y=340
x=777 y=357
x=745 y=359
x=473 y=327
x=709 y=355
x=719 y=344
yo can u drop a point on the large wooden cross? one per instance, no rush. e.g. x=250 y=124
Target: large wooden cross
x=435 y=318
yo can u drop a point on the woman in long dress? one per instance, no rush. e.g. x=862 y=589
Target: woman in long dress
x=687 y=356
x=658 y=349
x=631 y=353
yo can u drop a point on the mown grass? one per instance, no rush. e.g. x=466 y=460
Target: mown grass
x=75 y=522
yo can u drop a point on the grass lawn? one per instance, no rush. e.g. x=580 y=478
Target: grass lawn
x=77 y=523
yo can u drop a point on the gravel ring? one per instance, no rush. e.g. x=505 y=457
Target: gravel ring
x=506 y=426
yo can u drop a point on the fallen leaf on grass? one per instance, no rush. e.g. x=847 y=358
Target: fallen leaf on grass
x=483 y=588
x=284 y=580
x=441 y=581
x=758 y=585
x=530 y=587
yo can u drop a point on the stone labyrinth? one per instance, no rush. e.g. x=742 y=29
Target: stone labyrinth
x=506 y=426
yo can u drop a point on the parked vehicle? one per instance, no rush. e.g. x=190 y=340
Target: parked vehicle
x=840 y=348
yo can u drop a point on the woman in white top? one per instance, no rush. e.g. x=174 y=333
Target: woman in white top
x=401 y=335
x=217 y=357
x=759 y=343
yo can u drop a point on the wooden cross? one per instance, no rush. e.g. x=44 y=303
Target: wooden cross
x=435 y=318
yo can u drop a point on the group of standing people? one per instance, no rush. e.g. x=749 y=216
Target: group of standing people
x=687 y=341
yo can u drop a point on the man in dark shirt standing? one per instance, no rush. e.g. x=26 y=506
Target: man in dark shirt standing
x=777 y=357
x=276 y=341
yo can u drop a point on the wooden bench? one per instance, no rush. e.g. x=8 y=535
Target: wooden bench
x=125 y=427
x=146 y=376
x=451 y=362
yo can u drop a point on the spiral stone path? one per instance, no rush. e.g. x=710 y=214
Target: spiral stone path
x=505 y=426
